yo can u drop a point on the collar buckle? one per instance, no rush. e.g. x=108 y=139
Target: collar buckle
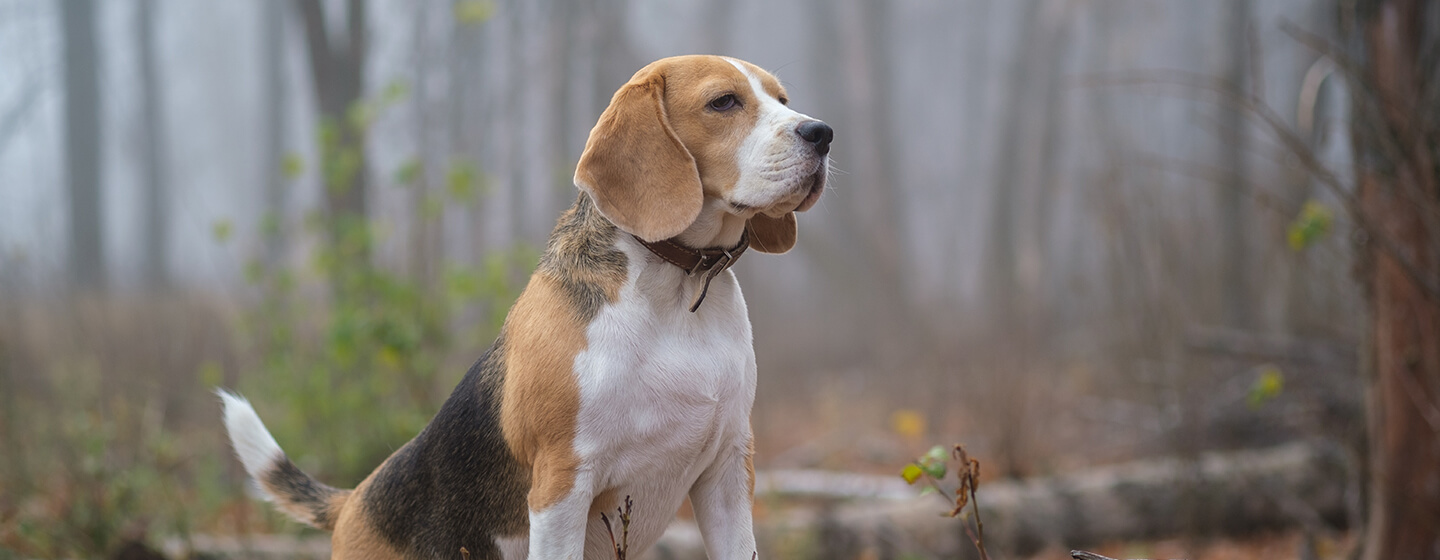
x=710 y=262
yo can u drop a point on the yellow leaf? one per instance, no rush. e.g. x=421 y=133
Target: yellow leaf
x=390 y=357
x=907 y=423
x=1267 y=386
x=911 y=473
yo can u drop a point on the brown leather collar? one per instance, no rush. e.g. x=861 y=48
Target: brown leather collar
x=710 y=262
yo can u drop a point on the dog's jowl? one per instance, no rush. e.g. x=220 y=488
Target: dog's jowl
x=625 y=369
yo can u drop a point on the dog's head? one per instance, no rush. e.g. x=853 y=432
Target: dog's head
x=690 y=127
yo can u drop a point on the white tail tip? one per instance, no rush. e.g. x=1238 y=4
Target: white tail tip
x=253 y=444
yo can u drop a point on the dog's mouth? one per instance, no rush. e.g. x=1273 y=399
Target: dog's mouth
x=816 y=185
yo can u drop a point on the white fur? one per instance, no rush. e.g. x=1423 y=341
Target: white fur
x=252 y=442
x=665 y=397
x=776 y=166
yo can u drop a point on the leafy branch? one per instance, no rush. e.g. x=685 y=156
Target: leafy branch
x=933 y=467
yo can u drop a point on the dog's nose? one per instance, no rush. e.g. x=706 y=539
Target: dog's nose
x=817 y=133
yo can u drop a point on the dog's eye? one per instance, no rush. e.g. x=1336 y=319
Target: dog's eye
x=725 y=102
x=784 y=100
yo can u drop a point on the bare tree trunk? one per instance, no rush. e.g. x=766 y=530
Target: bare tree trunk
x=1396 y=133
x=1001 y=286
x=467 y=116
x=337 y=62
x=423 y=240
x=154 y=156
x=1055 y=29
x=1234 y=202
x=82 y=145
x=272 y=44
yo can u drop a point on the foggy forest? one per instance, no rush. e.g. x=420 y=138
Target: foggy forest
x=1169 y=271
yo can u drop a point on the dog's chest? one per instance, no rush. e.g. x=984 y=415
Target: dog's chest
x=662 y=388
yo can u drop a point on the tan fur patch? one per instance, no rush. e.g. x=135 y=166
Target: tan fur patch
x=542 y=397
x=712 y=137
x=355 y=537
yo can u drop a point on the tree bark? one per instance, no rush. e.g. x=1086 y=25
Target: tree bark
x=1001 y=284
x=156 y=189
x=82 y=145
x=1395 y=137
x=337 y=63
x=272 y=38
x=1234 y=195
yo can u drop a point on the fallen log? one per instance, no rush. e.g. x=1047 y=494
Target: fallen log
x=1229 y=494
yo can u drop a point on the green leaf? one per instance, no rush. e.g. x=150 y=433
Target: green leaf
x=408 y=173
x=462 y=181
x=292 y=165
x=1267 y=386
x=473 y=12
x=394 y=92
x=221 y=230
x=211 y=374
x=270 y=225
x=359 y=115
x=911 y=473
x=1313 y=223
x=432 y=207
x=254 y=271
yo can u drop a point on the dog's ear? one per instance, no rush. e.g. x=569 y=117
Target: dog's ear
x=772 y=235
x=635 y=168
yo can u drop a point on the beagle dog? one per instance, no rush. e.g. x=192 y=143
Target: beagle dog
x=625 y=369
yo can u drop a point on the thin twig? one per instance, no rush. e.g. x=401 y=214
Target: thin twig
x=969 y=473
x=622 y=547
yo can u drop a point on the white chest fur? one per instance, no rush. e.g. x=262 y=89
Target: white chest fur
x=662 y=390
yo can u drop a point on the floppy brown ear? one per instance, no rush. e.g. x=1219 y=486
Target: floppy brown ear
x=772 y=235
x=635 y=168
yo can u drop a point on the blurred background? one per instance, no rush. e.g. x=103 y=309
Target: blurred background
x=1054 y=235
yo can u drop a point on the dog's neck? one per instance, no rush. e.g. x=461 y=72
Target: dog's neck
x=715 y=227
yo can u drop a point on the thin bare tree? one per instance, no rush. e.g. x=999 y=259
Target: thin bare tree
x=337 y=63
x=82 y=145
x=272 y=45
x=153 y=155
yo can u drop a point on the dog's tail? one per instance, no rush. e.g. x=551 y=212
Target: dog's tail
x=291 y=490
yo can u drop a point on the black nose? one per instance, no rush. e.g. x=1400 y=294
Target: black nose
x=817 y=133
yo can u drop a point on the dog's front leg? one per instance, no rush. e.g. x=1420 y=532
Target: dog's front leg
x=723 y=497
x=557 y=517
